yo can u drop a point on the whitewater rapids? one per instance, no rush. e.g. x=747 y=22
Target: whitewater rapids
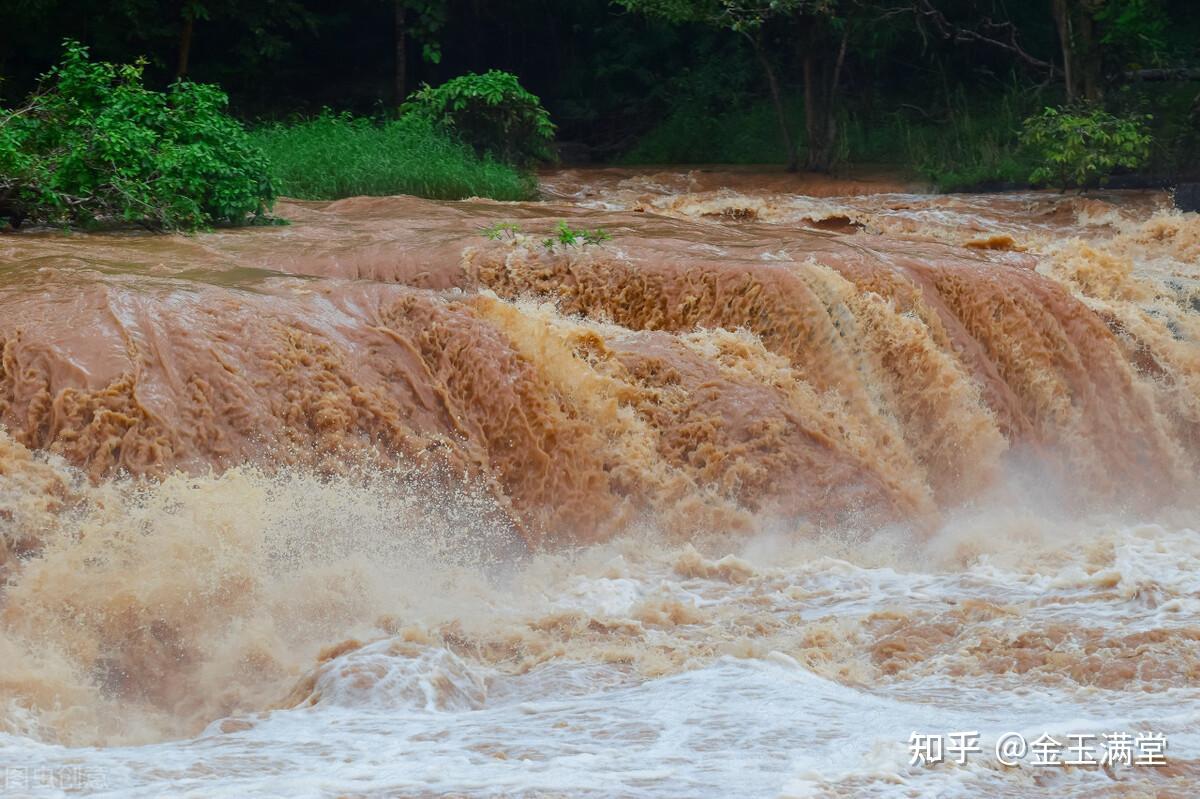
x=374 y=505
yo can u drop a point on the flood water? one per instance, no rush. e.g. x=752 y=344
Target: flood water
x=729 y=505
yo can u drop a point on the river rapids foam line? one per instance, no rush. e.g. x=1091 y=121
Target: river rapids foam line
x=697 y=373
x=186 y=420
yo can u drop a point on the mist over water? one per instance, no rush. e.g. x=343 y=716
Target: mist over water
x=372 y=505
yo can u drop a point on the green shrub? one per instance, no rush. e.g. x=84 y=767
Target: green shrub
x=336 y=155
x=93 y=145
x=491 y=112
x=1084 y=146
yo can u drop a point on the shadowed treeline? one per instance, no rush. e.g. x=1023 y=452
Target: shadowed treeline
x=940 y=85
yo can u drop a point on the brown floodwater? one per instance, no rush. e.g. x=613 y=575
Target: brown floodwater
x=788 y=468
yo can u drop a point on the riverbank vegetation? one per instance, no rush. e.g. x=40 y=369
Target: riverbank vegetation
x=331 y=156
x=492 y=113
x=941 y=88
x=94 y=145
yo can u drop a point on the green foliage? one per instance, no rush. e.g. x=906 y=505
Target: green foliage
x=1135 y=30
x=424 y=20
x=680 y=80
x=741 y=16
x=970 y=145
x=1174 y=109
x=501 y=230
x=491 y=112
x=94 y=145
x=974 y=144
x=338 y=155
x=566 y=236
x=1082 y=146
x=716 y=115
x=750 y=19
x=689 y=135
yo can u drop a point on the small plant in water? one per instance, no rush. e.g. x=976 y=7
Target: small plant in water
x=565 y=235
x=501 y=230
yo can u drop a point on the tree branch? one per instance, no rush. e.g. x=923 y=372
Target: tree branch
x=1002 y=35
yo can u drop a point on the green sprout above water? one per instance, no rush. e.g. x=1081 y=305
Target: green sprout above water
x=565 y=235
x=500 y=230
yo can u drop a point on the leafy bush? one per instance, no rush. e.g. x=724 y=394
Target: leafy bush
x=336 y=155
x=94 y=145
x=491 y=112
x=1083 y=146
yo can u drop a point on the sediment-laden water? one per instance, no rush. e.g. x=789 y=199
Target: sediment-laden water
x=731 y=505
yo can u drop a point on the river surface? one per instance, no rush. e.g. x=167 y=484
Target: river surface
x=729 y=505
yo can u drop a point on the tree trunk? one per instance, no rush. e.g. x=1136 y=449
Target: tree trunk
x=1062 y=19
x=1091 y=63
x=819 y=123
x=820 y=107
x=1081 y=55
x=400 y=76
x=185 y=45
x=793 y=161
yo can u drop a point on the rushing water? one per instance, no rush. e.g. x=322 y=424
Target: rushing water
x=372 y=505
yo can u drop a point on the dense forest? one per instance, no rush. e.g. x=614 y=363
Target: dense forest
x=939 y=87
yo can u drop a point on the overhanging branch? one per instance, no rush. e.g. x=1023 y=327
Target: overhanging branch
x=1002 y=35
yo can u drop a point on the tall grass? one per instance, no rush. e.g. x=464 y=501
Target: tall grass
x=336 y=155
x=975 y=144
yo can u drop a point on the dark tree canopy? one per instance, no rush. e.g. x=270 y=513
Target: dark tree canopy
x=612 y=71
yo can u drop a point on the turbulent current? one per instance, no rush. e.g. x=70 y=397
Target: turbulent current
x=730 y=505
